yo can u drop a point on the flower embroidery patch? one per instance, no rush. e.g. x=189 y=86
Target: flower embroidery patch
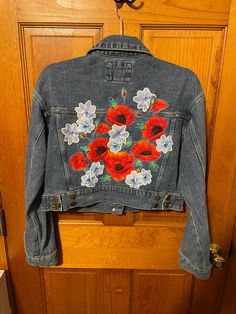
x=109 y=151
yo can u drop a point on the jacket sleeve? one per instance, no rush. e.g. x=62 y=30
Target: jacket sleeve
x=39 y=237
x=195 y=246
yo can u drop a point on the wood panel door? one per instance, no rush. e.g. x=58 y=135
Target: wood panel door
x=132 y=266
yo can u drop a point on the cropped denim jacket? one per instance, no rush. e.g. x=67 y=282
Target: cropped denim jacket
x=116 y=130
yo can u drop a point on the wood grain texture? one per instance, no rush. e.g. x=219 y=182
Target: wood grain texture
x=228 y=305
x=222 y=167
x=44 y=45
x=197 y=48
x=146 y=245
x=153 y=290
x=158 y=11
x=12 y=146
x=3 y=254
x=93 y=291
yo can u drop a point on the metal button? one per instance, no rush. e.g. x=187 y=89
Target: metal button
x=73 y=203
x=167 y=204
x=54 y=198
x=168 y=197
x=72 y=195
x=113 y=209
x=55 y=206
x=157 y=197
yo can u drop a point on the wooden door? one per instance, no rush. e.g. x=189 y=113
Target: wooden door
x=132 y=266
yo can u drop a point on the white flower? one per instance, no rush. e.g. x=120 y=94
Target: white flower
x=114 y=144
x=146 y=176
x=134 y=179
x=86 y=110
x=89 y=179
x=164 y=144
x=71 y=133
x=143 y=99
x=96 y=168
x=85 y=124
x=118 y=132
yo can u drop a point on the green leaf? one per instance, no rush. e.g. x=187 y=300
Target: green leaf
x=97 y=122
x=153 y=100
x=140 y=125
x=106 y=178
x=138 y=163
x=153 y=166
x=84 y=148
x=128 y=143
x=113 y=102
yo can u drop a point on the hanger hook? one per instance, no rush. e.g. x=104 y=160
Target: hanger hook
x=130 y=3
x=120 y=18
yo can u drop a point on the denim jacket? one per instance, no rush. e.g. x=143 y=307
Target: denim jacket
x=116 y=130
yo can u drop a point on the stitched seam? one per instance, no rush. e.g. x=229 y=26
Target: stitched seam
x=165 y=158
x=32 y=154
x=196 y=101
x=197 y=146
x=194 y=225
x=39 y=99
x=62 y=149
x=193 y=266
x=39 y=257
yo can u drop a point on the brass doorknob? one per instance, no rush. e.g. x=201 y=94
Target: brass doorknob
x=215 y=256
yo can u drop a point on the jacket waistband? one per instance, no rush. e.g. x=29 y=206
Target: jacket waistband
x=111 y=199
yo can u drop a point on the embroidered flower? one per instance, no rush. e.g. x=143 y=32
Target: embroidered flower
x=86 y=110
x=119 y=164
x=71 y=133
x=145 y=151
x=85 y=124
x=146 y=176
x=97 y=149
x=96 y=168
x=143 y=99
x=119 y=132
x=158 y=105
x=78 y=162
x=120 y=115
x=134 y=179
x=89 y=179
x=154 y=128
x=164 y=144
x=114 y=144
x=102 y=128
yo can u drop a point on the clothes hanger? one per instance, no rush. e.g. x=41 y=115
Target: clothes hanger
x=120 y=19
x=119 y=5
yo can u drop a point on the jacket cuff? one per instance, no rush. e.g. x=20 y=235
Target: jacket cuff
x=186 y=264
x=47 y=260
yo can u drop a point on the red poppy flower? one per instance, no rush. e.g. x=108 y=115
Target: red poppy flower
x=119 y=164
x=145 y=151
x=78 y=161
x=102 y=128
x=154 y=128
x=97 y=149
x=120 y=115
x=159 y=104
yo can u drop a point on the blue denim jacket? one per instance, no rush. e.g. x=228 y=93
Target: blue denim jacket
x=116 y=130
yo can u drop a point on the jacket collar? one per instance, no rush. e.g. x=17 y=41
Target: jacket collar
x=120 y=43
